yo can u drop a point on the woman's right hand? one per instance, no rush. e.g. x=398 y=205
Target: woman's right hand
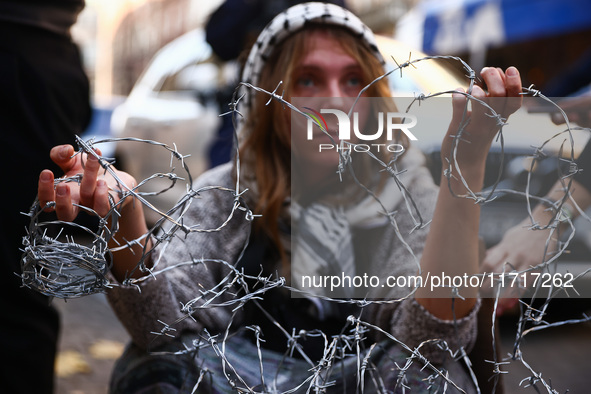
x=92 y=192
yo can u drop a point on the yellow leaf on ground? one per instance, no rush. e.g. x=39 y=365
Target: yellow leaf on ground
x=105 y=349
x=70 y=362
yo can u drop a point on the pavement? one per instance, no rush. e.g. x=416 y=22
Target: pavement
x=92 y=338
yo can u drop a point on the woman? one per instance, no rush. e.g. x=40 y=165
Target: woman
x=271 y=342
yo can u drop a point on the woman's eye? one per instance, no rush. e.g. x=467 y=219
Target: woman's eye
x=306 y=82
x=354 y=81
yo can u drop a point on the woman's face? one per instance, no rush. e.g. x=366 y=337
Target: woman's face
x=326 y=77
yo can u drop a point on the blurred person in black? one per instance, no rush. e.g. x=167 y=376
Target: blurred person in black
x=44 y=101
x=231 y=30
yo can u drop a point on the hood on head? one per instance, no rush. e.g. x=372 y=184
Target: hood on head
x=291 y=21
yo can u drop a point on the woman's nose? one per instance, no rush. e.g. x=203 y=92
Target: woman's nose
x=334 y=88
x=335 y=95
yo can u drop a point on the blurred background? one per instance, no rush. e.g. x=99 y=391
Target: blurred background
x=540 y=37
x=154 y=76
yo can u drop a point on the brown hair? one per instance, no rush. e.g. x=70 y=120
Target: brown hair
x=265 y=148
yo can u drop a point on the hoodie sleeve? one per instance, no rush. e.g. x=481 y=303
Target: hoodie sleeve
x=407 y=320
x=183 y=294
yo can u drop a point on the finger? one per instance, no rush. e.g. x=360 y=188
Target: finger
x=62 y=156
x=501 y=73
x=495 y=258
x=63 y=203
x=514 y=89
x=88 y=183
x=45 y=189
x=479 y=108
x=558 y=118
x=101 y=198
x=458 y=101
x=460 y=111
x=494 y=82
x=513 y=82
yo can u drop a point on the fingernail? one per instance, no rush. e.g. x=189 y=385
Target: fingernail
x=65 y=151
x=45 y=176
x=61 y=190
x=511 y=71
x=483 y=70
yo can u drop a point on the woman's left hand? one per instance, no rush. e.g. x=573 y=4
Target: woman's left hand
x=452 y=244
x=503 y=96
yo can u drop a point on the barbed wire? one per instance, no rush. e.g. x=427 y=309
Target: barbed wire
x=56 y=264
